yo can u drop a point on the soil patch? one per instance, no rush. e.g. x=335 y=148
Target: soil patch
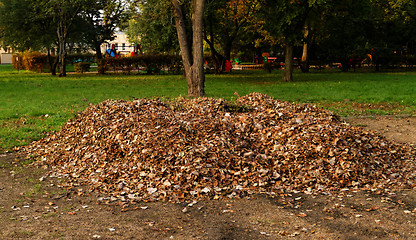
x=399 y=129
x=34 y=209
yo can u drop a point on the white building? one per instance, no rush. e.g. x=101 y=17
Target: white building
x=5 y=56
x=122 y=44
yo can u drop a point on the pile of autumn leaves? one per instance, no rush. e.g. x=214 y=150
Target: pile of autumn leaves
x=207 y=148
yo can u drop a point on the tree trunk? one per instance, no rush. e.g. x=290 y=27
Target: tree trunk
x=217 y=58
x=305 y=52
x=287 y=74
x=52 y=65
x=197 y=81
x=192 y=56
x=61 y=32
x=219 y=62
x=98 y=52
x=345 y=65
x=55 y=65
x=62 y=58
x=305 y=56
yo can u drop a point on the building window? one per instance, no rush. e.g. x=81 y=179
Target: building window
x=123 y=46
x=116 y=46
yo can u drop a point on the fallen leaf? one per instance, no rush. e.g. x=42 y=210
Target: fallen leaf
x=373 y=208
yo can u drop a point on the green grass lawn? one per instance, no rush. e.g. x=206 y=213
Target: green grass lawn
x=32 y=104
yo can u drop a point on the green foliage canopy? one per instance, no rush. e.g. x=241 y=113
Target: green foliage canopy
x=24 y=25
x=152 y=25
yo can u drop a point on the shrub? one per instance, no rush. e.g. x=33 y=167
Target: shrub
x=81 y=67
x=35 y=61
x=17 y=61
x=101 y=66
x=32 y=61
x=150 y=64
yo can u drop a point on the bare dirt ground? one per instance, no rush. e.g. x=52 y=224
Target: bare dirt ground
x=32 y=207
x=400 y=129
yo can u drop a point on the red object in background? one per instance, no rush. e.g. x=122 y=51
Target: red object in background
x=228 y=66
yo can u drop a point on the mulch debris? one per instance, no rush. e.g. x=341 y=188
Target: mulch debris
x=206 y=148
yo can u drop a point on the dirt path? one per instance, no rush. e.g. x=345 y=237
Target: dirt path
x=35 y=208
x=400 y=129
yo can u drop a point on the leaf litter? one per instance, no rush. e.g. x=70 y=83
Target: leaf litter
x=206 y=148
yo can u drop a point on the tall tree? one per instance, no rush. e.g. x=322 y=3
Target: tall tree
x=285 y=21
x=100 y=20
x=192 y=52
x=63 y=14
x=224 y=23
x=346 y=30
x=24 y=26
x=393 y=31
x=151 y=25
x=311 y=29
x=43 y=24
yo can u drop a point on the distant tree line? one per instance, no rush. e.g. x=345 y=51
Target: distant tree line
x=310 y=30
x=349 y=32
x=59 y=24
